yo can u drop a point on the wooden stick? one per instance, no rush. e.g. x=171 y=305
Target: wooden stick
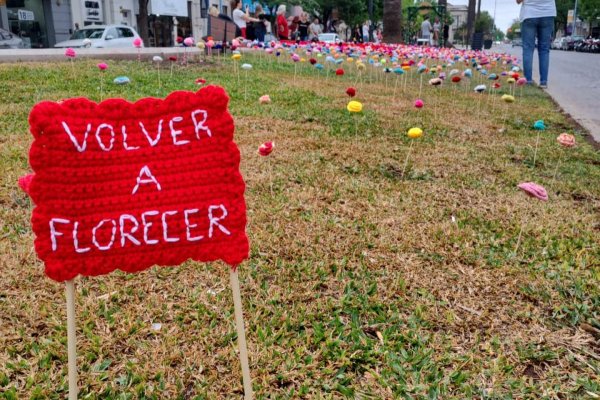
x=71 y=340
x=537 y=141
x=239 y=322
x=406 y=160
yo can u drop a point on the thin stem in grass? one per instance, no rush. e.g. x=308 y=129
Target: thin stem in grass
x=523 y=223
x=406 y=159
x=537 y=141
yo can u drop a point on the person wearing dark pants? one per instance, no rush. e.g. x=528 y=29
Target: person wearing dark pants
x=537 y=22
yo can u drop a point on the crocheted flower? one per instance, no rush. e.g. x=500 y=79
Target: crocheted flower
x=539 y=125
x=200 y=81
x=189 y=42
x=102 y=66
x=534 y=190
x=419 y=103
x=264 y=99
x=414 y=133
x=566 y=140
x=351 y=92
x=339 y=72
x=266 y=148
x=456 y=79
x=354 y=106
x=137 y=42
x=508 y=98
x=70 y=53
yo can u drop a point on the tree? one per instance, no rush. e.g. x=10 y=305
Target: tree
x=590 y=10
x=392 y=21
x=484 y=23
x=514 y=30
x=142 y=21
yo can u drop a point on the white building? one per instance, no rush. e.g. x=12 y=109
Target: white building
x=459 y=14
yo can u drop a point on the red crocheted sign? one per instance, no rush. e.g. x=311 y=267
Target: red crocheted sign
x=127 y=186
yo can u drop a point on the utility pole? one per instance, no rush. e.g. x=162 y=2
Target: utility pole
x=574 y=20
x=470 y=21
x=371 y=21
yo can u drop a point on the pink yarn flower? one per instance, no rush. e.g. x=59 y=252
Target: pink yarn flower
x=137 y=43
x=534 y=190
x=266 y=148
x=189 y=42
x=521 y=81
x=295 y=57
x=69 y=52
x=419 y=103
x=265 y=99
x=566 y=140
x=102 y=66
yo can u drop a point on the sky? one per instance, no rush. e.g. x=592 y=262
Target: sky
x=506 y=10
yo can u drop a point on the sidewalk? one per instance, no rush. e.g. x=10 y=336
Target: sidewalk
x=42 y=55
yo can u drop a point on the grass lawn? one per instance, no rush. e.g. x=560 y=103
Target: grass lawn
x=363 y=282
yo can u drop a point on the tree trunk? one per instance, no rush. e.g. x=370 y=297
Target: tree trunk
x=142 y=22
x=470 y=20
x=392 y=21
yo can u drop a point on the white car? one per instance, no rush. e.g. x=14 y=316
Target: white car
x=101 y=36
x=9 y=40
x=329 y=38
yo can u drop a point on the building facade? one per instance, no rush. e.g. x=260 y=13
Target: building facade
x=459 y=15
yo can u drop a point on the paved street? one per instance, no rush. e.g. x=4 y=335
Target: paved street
x=573 y=82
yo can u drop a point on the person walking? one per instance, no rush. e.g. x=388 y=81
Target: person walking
x=437 y=26
x=314 y=30
x=426 y=30
x=365 y=32
x=303 y=27
x=537 y=22
x=241 y=18
x=283 y=30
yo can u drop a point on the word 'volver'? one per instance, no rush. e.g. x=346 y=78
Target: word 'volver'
x=106 y=136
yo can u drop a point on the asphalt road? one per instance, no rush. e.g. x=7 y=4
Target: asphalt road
x=573 y=81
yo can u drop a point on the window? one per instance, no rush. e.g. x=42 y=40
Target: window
x=111 y=32
x=224 y=10
x=125 y=33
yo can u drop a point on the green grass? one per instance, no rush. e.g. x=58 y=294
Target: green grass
x=362 y=282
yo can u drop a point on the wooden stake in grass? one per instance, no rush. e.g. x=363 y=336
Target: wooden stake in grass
x=246 y=68
x=354 y=107
x=102 y=67
x=71 y=340
x=532 y=190
x=157 y=60
x=241 y=334
x=565 y=140
x=538 y=126
x=413 y=133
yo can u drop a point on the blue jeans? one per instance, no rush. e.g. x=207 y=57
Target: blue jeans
x=541 y=28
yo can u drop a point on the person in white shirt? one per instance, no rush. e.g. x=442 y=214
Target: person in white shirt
x=365 y=32
x=436 y=31
x=426 y=29
x=240 y=18
x=537 y=22
x=314 y=30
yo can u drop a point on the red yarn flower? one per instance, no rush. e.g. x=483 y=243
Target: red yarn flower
x=515 y=75
x=351 y=92
x=312 y=61
x=339 y=71
x=266 y=148
x=200 y=81
x=456 y=79
x=172 y=58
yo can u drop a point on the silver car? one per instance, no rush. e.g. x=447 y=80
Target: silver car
x=101 y=36
x=9 y=40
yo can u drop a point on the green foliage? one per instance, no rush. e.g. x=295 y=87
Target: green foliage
x=514 y=30
x=484 y=23
x=590 y=10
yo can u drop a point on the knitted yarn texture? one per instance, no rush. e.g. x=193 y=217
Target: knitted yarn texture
x=121 y=185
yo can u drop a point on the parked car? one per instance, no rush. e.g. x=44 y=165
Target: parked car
x=329 y=38
x=9 y=40
x=517 y=42
x=100 y=36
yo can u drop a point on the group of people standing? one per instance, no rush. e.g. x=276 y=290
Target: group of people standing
x=431 y=33
x=259 y=26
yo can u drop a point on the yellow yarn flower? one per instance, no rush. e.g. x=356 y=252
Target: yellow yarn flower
x=415 y=133
x=354 y=106
x=510 y=81
x=360 y=66
x=508 y=98
x=236 y=56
